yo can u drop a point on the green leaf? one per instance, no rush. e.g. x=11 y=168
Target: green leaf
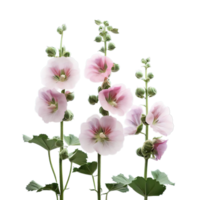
x=33 y=186
x=54 y=187
x=114 y=30
x=43 y=141
x=149 y=187
x=78 y=157
x=102 y=50
x=122 y=179
x=88 y=168
x=98 y=22
x=116 y=187
x=161 y=177
x=71 y=140
x=139 y=128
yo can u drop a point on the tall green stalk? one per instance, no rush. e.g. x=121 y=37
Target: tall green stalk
x=99 y=178
x=60 y=164
x=147 y=127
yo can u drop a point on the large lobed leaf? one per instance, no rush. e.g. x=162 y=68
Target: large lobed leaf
x=116 y=187
x=78 y=157
x=71 y=140
x=88 y=168
x=122 y=179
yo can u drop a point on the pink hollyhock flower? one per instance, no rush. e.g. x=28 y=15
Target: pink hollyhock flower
x=98 y=67
x=159 y=148
x=116 y=99
x=61 y=73
x=51 y=105
x=133 y=120
x=160 y=120
x=103 y=135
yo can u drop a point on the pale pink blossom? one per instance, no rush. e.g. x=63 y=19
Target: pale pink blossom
x=133 y=120
x=159 y=148
x=160 y=120
x=116 y=99
x=98 y=67
x=51 y=105
x=62 y=72
x=103 y=135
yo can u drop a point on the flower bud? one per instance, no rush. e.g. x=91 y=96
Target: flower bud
x=147 y=149
x=98 y=22
x=115 y=68
x=98 y=39
x=64 y=28
x=115 y=31
x=148 y=60
x=109 y=28
x=68 y=116
x=51 y=51
x=59 y=30
x=139 y=74
x=108 y=38
x=69 y=96
x=106 y=84
x=93 y=99
x=143 y=119
x=99 y=89
x=143 y=61
x=140 y=92
x=106 y=23
x=111 y=46
x=139 y=152
x=150 y=75
x=64 y=154
x=151 y=91
x=59 y=143
x=148 y=65
x=66 y=54
x=100 y=28
x=103 y=112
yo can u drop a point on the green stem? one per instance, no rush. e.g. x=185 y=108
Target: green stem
x=61 y=45
x=105 y=45
x=107 y=196
x=60 y=164
x=94 y=182
x=70 y=172
x=147 y=129
x=99 y=178
x=52 y=166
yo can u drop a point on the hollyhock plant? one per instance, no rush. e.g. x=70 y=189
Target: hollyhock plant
x=61 y=72
x=98 y=67
x=103 y=135
x=159 y=148
x=116 y=99
x=133 y=120
x=160 y=120
x=50 y=105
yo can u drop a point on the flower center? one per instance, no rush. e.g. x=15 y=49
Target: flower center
x=103 y=69
x=101 y=137
x=62 y=77
x=155 y=121
x=112 y=103
x=53 y=105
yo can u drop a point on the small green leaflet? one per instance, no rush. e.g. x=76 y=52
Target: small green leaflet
x=33 y=186
x=116 y=187
x=102 y=50
x=114 y=30
x=98 y=22
x=122 y=179
x=78 y=157
x=71 y=140
x=88 y=168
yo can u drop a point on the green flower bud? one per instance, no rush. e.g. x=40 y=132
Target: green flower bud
x=148 y=65
x=103 y=112
x=59 y=30
x=102 y=50
x=115 y=68
x=106 y=23
x=151 y=91
x=139 y=129
x=139 y=152
x=140 y=92
x=143 y=119
x=109 y=28
x=106 y=84
x=100 y=28
x=68 y=116
x=150 y=75
x=148 y=60
x=51 y=51
x=64 y=154
x=143 y=61
x=59 y=143
x=98 y=39
x=108 y=38
x=147 y=149
x=98 y=22
x=139 y=74
x=66 y=54
x=115 y=31
x=64 y=28
x=111 y=46
x=99 y=89
x=69 y=96
x=102 y=33
x=93 y=99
